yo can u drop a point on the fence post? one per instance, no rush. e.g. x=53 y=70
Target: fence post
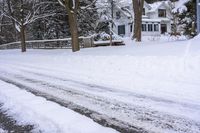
x=87 y=42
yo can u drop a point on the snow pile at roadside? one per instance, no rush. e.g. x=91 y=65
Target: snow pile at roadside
x=163 y=38
x=48 y=116
x=197 y=38
x=2 y=131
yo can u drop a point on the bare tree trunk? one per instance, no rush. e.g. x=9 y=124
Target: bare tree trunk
x=74 y=31
x=112 y=25
x=175 y=24
x=175 y=20
x=23 y=39
x=13 y=22
x=1 y=24
x=2 y=18
x=72 y=16
x=138 y=8
x=22 y=28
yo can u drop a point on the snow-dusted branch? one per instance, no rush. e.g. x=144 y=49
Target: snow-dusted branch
x=35 y=13
x=61 y=2
x=88 y=6
x=12 y=18
x=36 y=17
x=128 y=11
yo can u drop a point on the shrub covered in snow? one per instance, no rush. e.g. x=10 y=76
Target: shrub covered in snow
x=103 y=36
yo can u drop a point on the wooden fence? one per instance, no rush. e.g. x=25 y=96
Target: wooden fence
x=50 y=44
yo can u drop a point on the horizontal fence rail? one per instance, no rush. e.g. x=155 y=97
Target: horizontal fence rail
x=50 y=44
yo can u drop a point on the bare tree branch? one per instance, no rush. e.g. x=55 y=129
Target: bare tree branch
x=88 y=6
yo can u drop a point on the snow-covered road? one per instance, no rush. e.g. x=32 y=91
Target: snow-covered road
x=45 y=116
x=146 y=88
x=122 y=110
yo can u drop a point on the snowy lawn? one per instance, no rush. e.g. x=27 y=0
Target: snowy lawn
x=169 y=70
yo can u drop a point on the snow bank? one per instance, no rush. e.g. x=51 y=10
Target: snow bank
x=48 y=117
x=196 y=38
x=2 y=131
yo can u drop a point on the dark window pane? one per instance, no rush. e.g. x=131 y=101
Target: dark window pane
x=144 y=28
x=121 y=30
x=156 y=27
x=131 y=28
x=161 y=13
x=150 y=27
x=143 y=11
x=118 y=15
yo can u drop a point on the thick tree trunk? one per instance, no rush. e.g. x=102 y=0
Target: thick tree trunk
x=72 y=15
x=175 y=24
x=23 y=39
x=138 y=8
x=74 y=31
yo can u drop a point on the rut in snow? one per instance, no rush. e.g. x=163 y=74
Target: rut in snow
x=105 y=111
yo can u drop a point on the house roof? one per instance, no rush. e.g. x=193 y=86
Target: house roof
x=124 y=3
x=154 y=6
x=123 y=10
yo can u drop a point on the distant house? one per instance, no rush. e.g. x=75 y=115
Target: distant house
x=198 y=16
x=156 y=18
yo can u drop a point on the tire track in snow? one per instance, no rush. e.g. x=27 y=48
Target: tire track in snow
x=98 y=88
x=135 y=114
x=104 y=120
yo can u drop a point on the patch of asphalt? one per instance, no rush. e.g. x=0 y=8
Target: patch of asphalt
x=10 y=125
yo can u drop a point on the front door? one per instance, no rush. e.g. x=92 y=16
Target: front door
x=163 y=28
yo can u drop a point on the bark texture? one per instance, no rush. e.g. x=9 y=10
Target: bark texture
x=72 y=10
x=22 y=28
x=138 y=9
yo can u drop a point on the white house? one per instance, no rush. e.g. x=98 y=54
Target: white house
x=156 y=19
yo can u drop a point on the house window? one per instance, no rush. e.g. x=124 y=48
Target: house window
x=127 y=7
x=143 y=11
x=131 y=27
x=150 y=27
x=156 y=27
x=162 y=13
x=121 y=30
x=163 y=28
x=118 y=15
x=144 y=28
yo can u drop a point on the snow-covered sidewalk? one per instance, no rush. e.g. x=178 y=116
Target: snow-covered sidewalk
x=47 y=116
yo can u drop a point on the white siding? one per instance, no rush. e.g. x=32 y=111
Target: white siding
x=151 y=17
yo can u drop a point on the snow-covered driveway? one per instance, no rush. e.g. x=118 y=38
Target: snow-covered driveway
x=152 y=88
